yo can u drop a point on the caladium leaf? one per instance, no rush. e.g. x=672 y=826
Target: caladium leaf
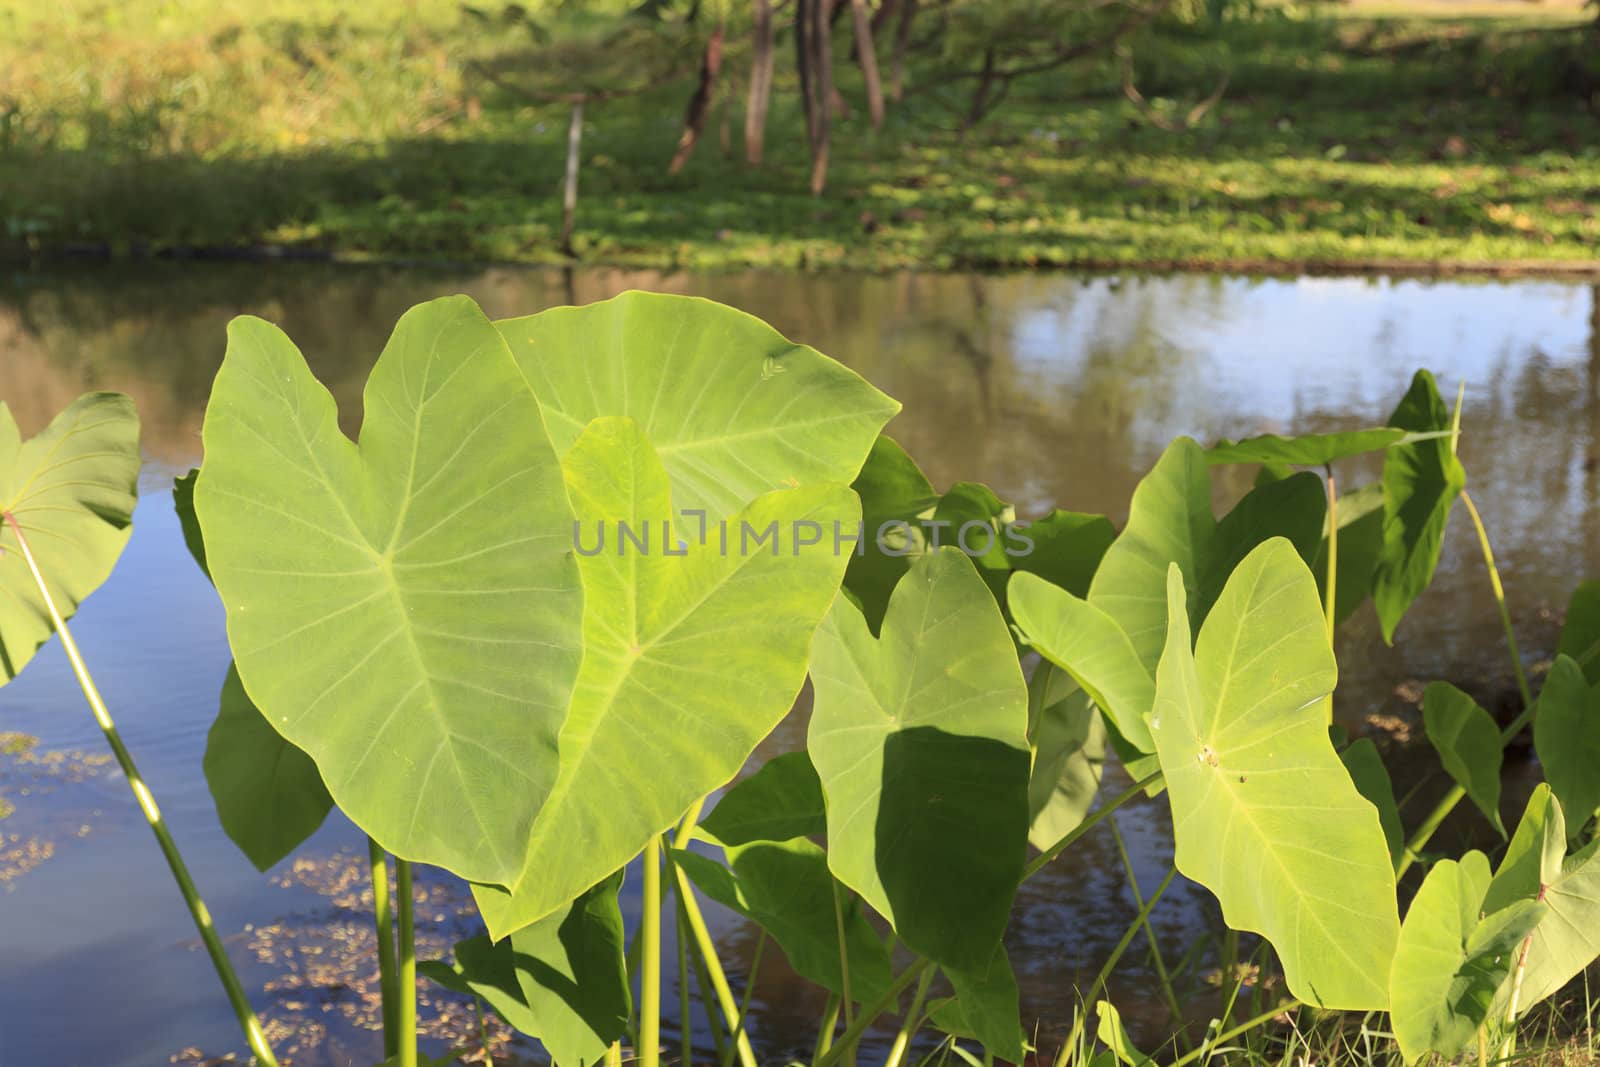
x=1312 y=449
x=1449 y=961
x=1069 y=755
x=1420 y=484
x=783 y=799
x=1088 y=644
x=986 y=1008
x=1566 y=734
x=71 y=489
x=1262 y=808
x=1468 y=743
x=268 y=793
x=691 y=656
x=405 y=610
x=733 y=408
x=785 y=888
x=1580 y=633
x=920 y=739
x=1372 y=781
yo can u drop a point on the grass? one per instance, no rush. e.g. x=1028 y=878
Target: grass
x=1344 y=140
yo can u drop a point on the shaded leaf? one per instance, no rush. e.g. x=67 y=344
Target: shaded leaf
x=72 y=489
x=1360 y=515
x=1566 y=734
x=183 y=503
x=1468 y=743
x=689 y=662
x=406 y=610
x=893 y=492
x=783 y=799
x=920 y=739
x=1372 y=781
x=1262 y=808
x=1420 y=484
x=1310 y=450
x=1067 y=548
x=1580 y=633
x=986 y=1008
x=1069 y=754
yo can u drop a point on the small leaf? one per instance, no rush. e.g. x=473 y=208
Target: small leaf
x=268 y=793
x=1449 y=964
x=1069 y=754
x=986 y=1008
x=1580 y=634
x=1468 y=743
x=1372 y=781
x=893 y=492
x=1262 y=808
x=1114 y=1036
x=783 y=799
x=1420 y=484
x=1312 y=449
x=920 y=739
x=72 y=489
x=1533 y=858
x=1566 y=735
x=183 y=503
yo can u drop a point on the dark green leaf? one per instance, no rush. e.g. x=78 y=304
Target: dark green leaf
x=1372 y=781
x=1468 y=743
x=783 y=799
x=1566 y=734
x=1580 y=634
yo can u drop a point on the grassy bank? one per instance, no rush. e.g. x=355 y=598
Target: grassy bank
x=1344 y=140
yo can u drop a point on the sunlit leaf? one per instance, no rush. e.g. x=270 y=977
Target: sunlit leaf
x=1067 y=547
x=920 y=739
x=1263 y=810
x=1114 y=1036
x=406 y=610
x=1566 y=734
x=733 y=408
x=1449 y=962
x=1533 y=858
x=1312 y=449
x=1420 y=484
x=689 y=661
x=1468 y=743
x=72 y=489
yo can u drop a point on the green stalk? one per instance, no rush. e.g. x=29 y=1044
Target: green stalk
x=726 y=1059
x=685 y=1030
x=383 y=916
x=483 y=1032
x=844 y=969
x=702 y=981
x=830 y=1021
x=707 y=947
x=1229 y=1035
x=650 y=958
x=1167 y=992
x=249 y=1024
x=406 y=1014
x=908 y=1029
x=1447 y=803
x=614 y=1054
x=869 y=1015
x=1331 y=595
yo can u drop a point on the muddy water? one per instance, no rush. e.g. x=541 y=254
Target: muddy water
x=1056 y=390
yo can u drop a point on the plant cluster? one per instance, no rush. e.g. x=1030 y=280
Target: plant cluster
x=419 y=640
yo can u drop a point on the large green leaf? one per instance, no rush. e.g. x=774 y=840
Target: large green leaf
x=1420 y=484
x=1449 y=962
x=1312 y=449
x=689 y=661
x=920 y=739
x=785 y=888
x=783 y=799
x=986 y=1008
x=562 y=980
x=1069 y=755
x=1264 y=813
x=1566 y=734
x=71 y=489
x=1580 y=633
x=1088 y=644
x=1372 y=781
x=1468 y=743
x=405 y=610
x=268 y=793
x=733 y=408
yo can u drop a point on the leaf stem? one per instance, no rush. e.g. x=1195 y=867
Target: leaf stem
x=383 y=920
x=908 y=1029
x=1116 y=953
x=844 y=968
x=1228 y=1035
x=1167 y=991
x=830 y=1021
x=650 y=958
x=406 y=1014
x=867 y=1016
x=726 y=1059
x=254 y=1036
x=1331 y=595
x=708 y=956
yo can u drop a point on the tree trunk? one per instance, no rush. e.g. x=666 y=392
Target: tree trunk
x=868 y=57
x=569 y=187
x=980 y=96
x=822 y=90
x=802 y=63
x=902 y=45
x=694 y=120
x=755 y=112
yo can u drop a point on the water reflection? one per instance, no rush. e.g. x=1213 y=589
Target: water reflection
x=1056 y=390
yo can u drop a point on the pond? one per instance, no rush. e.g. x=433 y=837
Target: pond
x=1054 y=389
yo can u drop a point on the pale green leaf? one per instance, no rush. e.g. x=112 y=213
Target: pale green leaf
x=72 y=490
x=406 y=610
x=1264 y=813
x=1533 y=858
x=1468 y=743
x=689 y=661
x=920 y=739
x=1114 y=1036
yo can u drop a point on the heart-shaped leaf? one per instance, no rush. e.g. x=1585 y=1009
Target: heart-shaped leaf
x=733 y=408
x=406 y=610
x=920 y=739
x=1566 y=734
x=1263 y=810
x=71 y=489
x=1420 y=484
x=1580 y=633
x=1468 y=743
x=1449 y=962
x=692 y=655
